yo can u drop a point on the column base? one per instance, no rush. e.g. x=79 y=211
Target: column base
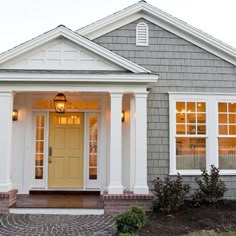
x=115 y=190
x=141 y=190
x=115 y=204
x=7 y=200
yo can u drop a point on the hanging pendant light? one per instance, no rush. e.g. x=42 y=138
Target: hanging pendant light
x=60 y=103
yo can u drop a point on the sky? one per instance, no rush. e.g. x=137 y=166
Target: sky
x=21 y=20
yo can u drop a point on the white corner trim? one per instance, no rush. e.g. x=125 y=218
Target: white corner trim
x=76 y=38
x=164 y=20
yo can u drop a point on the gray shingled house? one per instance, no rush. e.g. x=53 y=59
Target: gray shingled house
x=110 y=107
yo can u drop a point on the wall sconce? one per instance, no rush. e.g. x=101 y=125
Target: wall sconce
x=60 y=103
x=15 y=115
x=123 y=116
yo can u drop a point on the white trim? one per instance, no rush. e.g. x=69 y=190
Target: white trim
x=58 y=77
x=211 y=126
x=76 y=38
x=164 y=20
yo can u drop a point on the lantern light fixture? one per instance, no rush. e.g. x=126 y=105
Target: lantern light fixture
x=60 y=103
x=123 y=116
x=14 y=115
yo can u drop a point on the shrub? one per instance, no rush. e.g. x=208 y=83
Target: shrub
x=211 y=187
x=127 y=234
x=130 y=221
x=170 y=193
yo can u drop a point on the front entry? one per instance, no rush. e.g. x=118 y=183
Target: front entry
x=66 y=151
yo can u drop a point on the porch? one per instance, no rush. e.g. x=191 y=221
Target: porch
x=118 y=149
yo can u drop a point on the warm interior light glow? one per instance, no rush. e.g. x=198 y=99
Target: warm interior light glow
x=122 y=116
x=15 y=115
x=60 y=103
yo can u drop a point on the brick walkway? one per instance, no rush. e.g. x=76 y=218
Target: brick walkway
x=56 y=225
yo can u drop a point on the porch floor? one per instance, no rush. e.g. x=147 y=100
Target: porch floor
x=59 y=200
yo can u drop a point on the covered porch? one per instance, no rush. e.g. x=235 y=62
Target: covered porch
x=113 y=159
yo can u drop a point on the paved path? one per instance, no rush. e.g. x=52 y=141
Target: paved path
x=56 y=225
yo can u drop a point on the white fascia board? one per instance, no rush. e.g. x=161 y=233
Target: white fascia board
x=98 y=78
x=76 y=38
x=164 y=20
x=113 y=21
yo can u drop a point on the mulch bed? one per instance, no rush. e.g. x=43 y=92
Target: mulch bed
x=221 y=218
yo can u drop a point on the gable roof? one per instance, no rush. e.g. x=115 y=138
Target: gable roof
x=76 y=38
x=164 y=20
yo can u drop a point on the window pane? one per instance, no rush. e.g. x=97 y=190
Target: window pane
x=180 y=118
x=222 y=118
x=191 y=106
x=222 y=107
x=232 y=118
x=232 y=107
x=180 y=129
x=190 y=153
x=201 y=118
x=223 y=129
x=191 y=129
x=93 y=173
x=232 y=129
x=39 y=173
x=180 y=107
x=227 y=153
x=201 y=107
x=39 y=134
x=191 y=118
x=201 y=129
x=40 y=121
x=39 y=147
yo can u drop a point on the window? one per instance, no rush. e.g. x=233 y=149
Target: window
x=190 y=135
x=142 y=34
x=93 y=146
x=39 y=146
x=227 y=135
x=202 y=133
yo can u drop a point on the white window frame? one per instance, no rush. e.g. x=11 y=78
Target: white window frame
x=212 y=135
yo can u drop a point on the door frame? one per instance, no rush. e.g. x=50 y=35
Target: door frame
x=43 y=184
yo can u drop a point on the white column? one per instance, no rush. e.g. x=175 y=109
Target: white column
x=6 y=104
x=115 y=185
x=140 y=183
x=132 y=142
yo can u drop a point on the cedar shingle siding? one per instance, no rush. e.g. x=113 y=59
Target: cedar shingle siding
x=183 y=67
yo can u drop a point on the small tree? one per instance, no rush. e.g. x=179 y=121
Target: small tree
x=211 y=187
x=170 y=193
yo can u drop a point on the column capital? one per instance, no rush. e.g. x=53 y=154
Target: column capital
x=141 y=94
x=7 y=93
x=116 y=94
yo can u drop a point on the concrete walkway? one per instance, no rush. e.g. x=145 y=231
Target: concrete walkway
x=56 y=225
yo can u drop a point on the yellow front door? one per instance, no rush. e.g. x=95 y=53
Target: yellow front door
x=66 y=149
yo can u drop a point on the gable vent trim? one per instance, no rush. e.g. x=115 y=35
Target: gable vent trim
x=142 y=34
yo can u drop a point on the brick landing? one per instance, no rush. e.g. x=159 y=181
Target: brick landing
x=118 y=203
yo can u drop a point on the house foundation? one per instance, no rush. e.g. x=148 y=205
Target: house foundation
x=115 y=204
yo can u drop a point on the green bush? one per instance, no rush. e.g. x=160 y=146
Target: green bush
x=130 y=221
x=211 y=187
x=127 y=234
x=170 y=193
